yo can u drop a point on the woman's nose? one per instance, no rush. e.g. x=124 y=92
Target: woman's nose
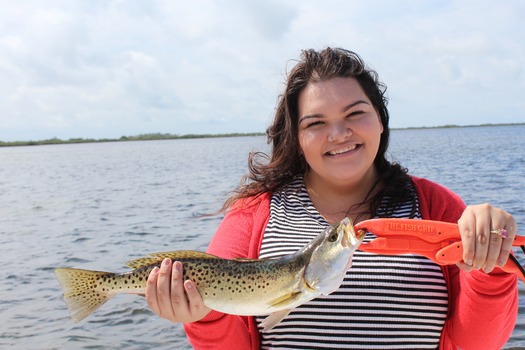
x=339 y=132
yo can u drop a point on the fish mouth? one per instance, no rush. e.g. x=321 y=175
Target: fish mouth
x=360 y=234
x=350 y=238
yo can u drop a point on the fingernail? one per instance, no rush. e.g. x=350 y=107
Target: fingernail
x=165 y=262
x=155 y=270
x=189 y=285
x=468 y=262
x=178 y=266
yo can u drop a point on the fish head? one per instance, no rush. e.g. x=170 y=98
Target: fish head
x=332 y=257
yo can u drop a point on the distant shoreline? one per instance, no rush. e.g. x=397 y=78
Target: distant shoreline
x=450 y=126
x=160 y=136
x=141 y=137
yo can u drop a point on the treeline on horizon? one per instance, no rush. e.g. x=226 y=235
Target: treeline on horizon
x=167 y=136
x=141 y=137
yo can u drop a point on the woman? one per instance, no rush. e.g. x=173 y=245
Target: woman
x=330 y=135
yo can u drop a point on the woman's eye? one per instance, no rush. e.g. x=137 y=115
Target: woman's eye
x=355 y=113
x=314 y=124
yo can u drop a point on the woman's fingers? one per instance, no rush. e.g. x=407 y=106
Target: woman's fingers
x=151 y=291
x=179 y=303
x=164 y=289
x=482 y=224
x=467 y=228
x=484 y=247
x=172 y=298
x=165 y=292
x=196 y=304
x=511 y=230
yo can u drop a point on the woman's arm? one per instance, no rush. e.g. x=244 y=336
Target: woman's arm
x=218 y=330
x=237 y=237
x=486 y=298
x=482 y=307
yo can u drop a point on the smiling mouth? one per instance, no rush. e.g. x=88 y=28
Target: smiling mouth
x=343 y=150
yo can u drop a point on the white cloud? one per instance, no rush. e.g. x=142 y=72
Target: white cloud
x=106 y=69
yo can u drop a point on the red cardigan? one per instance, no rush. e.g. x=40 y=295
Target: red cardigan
x=482 y=307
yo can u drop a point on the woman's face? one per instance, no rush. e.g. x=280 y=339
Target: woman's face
x=339 y=131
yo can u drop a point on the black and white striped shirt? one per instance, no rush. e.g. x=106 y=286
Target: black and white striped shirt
x=385 y=302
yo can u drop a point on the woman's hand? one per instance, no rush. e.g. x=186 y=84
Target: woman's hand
x=481 y=248
x=171 y=298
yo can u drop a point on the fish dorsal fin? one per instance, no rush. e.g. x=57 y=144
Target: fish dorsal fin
x=244 y=260
x=156 y=258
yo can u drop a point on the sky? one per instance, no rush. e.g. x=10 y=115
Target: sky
x=106 y=69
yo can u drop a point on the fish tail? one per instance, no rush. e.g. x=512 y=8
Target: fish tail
x=84 y=290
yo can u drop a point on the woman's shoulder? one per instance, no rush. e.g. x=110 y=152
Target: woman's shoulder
x=437 y=202
x=429 y=187
x=252 y=203
x=240 y=230
x=250 y=212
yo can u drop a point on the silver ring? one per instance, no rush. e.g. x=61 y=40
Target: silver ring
x=500 y=232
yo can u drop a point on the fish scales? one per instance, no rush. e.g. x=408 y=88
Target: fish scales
x=238 y=286
x=221 y=281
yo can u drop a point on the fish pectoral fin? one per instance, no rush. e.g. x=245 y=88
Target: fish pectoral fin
x=156 y=258
x=287 y=303
x=285 y=299
x=274 y=318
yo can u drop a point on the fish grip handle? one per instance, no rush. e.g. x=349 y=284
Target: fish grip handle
x=453 y=254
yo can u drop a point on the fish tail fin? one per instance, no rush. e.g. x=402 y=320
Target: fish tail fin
x=84 y=290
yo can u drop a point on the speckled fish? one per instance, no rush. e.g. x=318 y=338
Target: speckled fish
x=246 y=287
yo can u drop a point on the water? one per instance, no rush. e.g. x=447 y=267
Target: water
x=97 y=206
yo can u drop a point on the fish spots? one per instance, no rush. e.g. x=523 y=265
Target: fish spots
x=222 y=281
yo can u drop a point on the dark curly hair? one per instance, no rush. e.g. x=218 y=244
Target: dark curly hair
x=269 y=174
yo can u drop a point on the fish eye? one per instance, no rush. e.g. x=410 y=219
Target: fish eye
x=333 y=237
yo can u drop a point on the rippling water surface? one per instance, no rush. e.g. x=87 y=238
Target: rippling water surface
x=97 y=206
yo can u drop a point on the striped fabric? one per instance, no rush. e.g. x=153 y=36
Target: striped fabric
x=385 y=302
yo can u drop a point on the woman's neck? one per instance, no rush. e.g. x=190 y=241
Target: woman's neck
x=335 y=202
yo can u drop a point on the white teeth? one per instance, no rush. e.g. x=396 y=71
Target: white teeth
x=342 y=150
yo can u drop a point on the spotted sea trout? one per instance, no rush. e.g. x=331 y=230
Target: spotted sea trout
x=246 y=287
